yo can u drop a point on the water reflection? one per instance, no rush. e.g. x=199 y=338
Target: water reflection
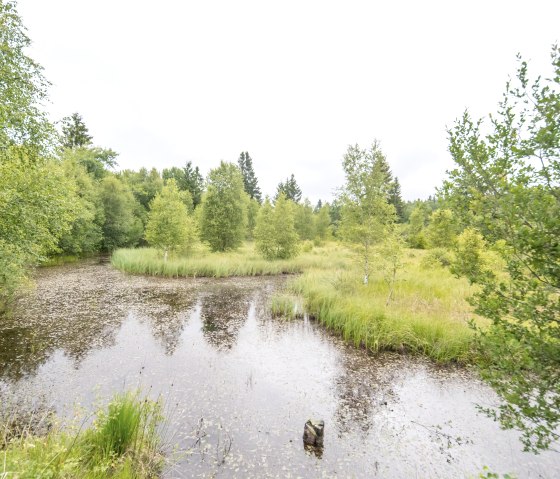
x=223 y=313
x=382 y=414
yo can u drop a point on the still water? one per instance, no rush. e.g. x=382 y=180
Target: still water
x=239 y=385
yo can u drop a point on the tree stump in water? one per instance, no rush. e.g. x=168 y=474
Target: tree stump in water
x=313 y=433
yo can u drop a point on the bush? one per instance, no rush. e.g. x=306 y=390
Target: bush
x=437 y=257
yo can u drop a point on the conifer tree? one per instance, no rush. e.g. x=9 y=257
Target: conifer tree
x=250 y=182
x=75 y=132
x=290 y=188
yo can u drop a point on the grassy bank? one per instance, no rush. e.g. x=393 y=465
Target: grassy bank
x=428 y=313
x=121 y=443
x=202 y=263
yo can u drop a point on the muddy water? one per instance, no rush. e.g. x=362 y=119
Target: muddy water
x=239 y=385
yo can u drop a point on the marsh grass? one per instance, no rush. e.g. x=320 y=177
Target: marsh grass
x=202 y=263
x=123 y=442
x=287 y=305
x=428 y=313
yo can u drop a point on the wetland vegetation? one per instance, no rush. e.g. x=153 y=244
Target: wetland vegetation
x=467 y=280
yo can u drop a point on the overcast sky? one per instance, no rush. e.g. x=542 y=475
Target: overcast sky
x=291 y=82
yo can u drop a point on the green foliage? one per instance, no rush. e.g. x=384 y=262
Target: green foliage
x=437 y=258
x=224 y=209
x=23 y=89
x=253 y=208
x=86 y=234
x=188 y=179
x=290 y=189
x=469 y=255
x=95 y=160
x=38 y=205
x=250 y=182
x=366 y=214
x=275 y=234
x=304 y=220
x=322 y=223
x=506 y=184
x=144 y=184
x=396 y=200
x=122 y=443
x=74 y=132
x=416 y=235
x=442 y=229
x=169 y=225
x=121 y=226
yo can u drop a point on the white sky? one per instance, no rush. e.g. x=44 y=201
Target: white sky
x=292 y=82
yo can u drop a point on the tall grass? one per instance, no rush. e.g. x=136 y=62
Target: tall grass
x=428 y=314
x=243 y=262
x=122 y=443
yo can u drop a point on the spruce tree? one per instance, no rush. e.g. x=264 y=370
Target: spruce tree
x=290 y=188
x=396 y=200
x=250 y=182
x=75 y=132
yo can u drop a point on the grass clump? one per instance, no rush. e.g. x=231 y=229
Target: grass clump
x=287 y=305
x=121 y=443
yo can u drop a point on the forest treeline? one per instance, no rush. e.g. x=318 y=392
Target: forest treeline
x=495 y=220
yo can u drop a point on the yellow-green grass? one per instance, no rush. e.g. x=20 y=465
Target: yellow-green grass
x=202 y=263
x=428 y=313
x=121 y=443
x=287 y=305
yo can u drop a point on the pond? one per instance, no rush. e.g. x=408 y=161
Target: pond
x=239 y=385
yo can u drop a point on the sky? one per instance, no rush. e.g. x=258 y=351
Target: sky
x=291 y=82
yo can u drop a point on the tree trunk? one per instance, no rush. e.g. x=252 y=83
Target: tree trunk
x=366 y=264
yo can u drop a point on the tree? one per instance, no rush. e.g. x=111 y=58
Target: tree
x=86 y=234
x=304 y=220
x=224 y=208
x=415 y=233
x=121 y=227
x=396 y=200
x=169 y=225
x=253 y=208
x=506 y=184
x=38 y=205
x=97 y=161
x=322 y=223
x=250 y=182
x=366 y=213
x=275 y=233
x=187 y=179
x=290 y=188
x=75 y=132
x=23 y=89
x=144 y=184
x=442 y=229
